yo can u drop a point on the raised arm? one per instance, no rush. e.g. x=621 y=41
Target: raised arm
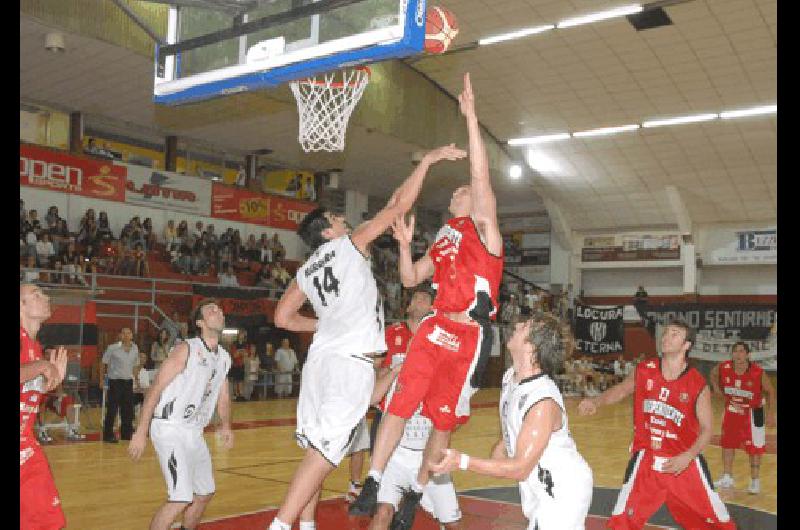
x=541 y=420
x=403 y=198
x=411 y=273
x=287 y=312
x=175 y=363
x=614 y=394
x=484 y=204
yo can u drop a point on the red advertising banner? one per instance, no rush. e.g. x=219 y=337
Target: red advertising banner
x=53 y=170
x=245 y=206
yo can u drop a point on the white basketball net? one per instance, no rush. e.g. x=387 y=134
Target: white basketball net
x=325 y=104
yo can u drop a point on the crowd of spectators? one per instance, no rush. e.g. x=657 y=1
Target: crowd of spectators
x=91 y=246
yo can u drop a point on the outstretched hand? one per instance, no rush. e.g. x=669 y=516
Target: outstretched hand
x=450 y=459
x=466 y=100
x=403 y=232
x=59 y=359
x=446 y=152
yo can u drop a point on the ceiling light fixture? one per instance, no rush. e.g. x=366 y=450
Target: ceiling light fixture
x=601 y=15
x=539 y=139
x=542 y=163
x=518 y=34
x=755 y=111
x=606 y=131
x=680 y=120
x=515 y=171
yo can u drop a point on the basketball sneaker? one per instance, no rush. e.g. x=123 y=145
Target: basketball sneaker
x=44 y=437
x=725 y=481
x=755 y=487
x=74 y=435
x=404 y=518
x=352 y=493
x=367 y=500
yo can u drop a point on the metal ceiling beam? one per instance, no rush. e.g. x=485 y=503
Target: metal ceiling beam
x=139 y=22
x=302 y=11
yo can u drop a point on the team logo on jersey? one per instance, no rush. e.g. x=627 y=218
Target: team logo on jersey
x=655 y=443
x=598 y=331
x=444 y=339
x=649 y=385
x=398 y=341
x=738 y=383
x=188 y=411
x=445 y=409
x=651 y=364
x=684 y=397
x=663 y=395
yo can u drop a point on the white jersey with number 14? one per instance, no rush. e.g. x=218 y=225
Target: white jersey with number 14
x=337 y=279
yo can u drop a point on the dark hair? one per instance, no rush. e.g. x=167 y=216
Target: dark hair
x=311 y=227
x=691 y=333
x=424 y=288
x=549 y=339
x=741 y=343
x=197 y=314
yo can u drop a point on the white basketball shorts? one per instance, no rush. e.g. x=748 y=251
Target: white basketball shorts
x=185 y=461
x=438 y=496
x=334 y=397
x=360 y=439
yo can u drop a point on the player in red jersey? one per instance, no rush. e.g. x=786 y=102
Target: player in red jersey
x=448 y=354
x=39 y=503
x=744 y=386
x=398 y=336
x=672 y=421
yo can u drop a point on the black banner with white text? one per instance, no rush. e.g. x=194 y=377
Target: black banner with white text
x=599 y=330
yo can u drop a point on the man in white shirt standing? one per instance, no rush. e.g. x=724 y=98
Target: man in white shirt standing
x=121 y=364
x=286 y=360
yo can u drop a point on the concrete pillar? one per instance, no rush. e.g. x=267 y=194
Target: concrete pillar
x=689 y=268
x=76 y=133
x=355 y=205
x=250 y=168
x=171 y=153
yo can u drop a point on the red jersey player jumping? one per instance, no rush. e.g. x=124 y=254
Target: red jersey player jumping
x=448 y=354
x=39 y=503
x=672 y=420
x=744 y=385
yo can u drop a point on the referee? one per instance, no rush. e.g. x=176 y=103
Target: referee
x=121 y=364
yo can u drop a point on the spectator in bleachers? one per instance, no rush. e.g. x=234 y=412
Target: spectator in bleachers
x=104 y=227
x=88 y=233
x=264 y=277
x=33 y=221
x=265 y=249
x=236 y=248
x=51 y=218
x=30 y=276
x=89 y=215
x=124 y=261
x=170 y=235
x=59 y=235
x=182 y=232
x=251 y=248
x=212 y=236
x=227 y=278
x=278 y=251
x=393 y=293
x=239 y=351
x=280 y=275
x=200 y=255
x=510 y=311
x=267 y=362
x=224 y=257
x=44 y=251
x=140 y=265
x=69 y=257
x=30 y=242
x=197 y=232
x=148 y=234
x=184 y=257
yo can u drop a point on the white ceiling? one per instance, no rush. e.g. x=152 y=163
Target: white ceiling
x=717 y=55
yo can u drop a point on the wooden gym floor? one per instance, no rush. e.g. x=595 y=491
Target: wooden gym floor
x=101 y=489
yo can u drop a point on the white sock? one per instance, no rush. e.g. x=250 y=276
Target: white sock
x=755 y=482
x=374 y=473
x=277 y=524
x=308 y=525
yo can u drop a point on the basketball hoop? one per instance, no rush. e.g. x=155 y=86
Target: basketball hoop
x=325 y=104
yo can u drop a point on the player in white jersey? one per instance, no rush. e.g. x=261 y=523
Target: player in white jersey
x=438 y=495
x=536 y=449
x=180 y=404
x=338 y=376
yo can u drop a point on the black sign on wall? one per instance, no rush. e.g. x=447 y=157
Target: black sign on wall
x=599 y=330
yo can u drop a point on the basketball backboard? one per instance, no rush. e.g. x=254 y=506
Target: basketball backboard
x=219 y=51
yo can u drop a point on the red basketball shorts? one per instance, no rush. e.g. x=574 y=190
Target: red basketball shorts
x=438 y=371
x=39 y=503
x=690 y=496
x=744 y=431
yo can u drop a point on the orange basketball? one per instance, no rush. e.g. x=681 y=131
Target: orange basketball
x=441 y=27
